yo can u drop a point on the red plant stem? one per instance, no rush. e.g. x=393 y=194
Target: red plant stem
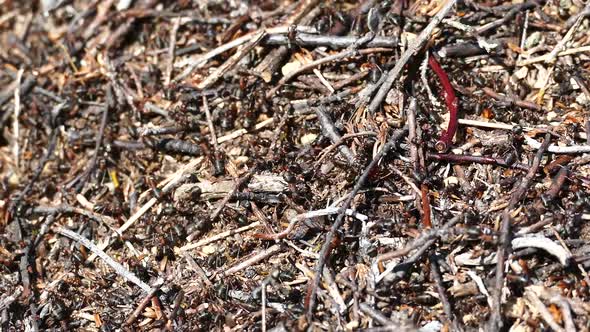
x=426 y=222
x=446 y=139
x=462 y=159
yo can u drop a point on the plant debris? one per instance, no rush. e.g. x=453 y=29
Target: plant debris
x=417 y=165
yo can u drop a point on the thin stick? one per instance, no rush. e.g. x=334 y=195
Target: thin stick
x=333 y=42
x=304 y=14
x=543 y=311
x=232 y=61
x=574 y=19
x=329 y=130
x=572 y=149
x=174 y=313
x=120 y=269
x=229 y=195
x=426 y=236
x=263 y=299
x=508 y=16
x=342 y=139
x=341 y=55
x=243 y=131
x=512 y=100
x=340 y=218
x=173 y=181
x=46 y=157
x=142 y=305
x=462 y=159
x=568 y=36
x=80 y=180
x=446 y=139
x=544 y=57
x=262 y=255
x=387 y=80
x=16 y=126
x=525 y=183
x=210 y=124
x=496 y=322
x=440 y=289
x=220 y=236
x=308 y=215
x=202 y=59
x=171 y=48
x=65 y=208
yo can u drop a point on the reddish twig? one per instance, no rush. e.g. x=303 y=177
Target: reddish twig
x=446 y=139
x=426 y=222
x=464 y=159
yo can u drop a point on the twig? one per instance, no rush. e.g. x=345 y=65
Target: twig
x=544 y=57
x=543 y=243
x=440 y=289
x=124 y=28
x=386 y=81
x=426 y=222
x=342 y=139
x=122 y=271
x=483 y=124
x=573 y=149
x=399 y=270
x=412 y=137
x=80 y=180
x=143 y=304
x=344 y=54
x=220 y=236
x=244 y=131
x=262 y=255
x=543 y=311
x=574 y=19
x=508 y=16
x=232 y=61
x=174 y=313
x=427 y=235
x=557 y=182
x=523 y=186
x=305 y=106
x=376 y=315
x=201 y=59
x=171 y=48
x=330 y=131
x=334 y=42
x=270 y=64
x=462 y=159
x=24 y=87
x=566 y=313
x=50 y=149
x=263 y=299
x=65 y=208
x=309 y=215
x=16 y=126
x=496 y=322
x=218 y=162
x=568 y=36
x=229 y=195
x=511 y=100
x=172 y=182
x=340 y=218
